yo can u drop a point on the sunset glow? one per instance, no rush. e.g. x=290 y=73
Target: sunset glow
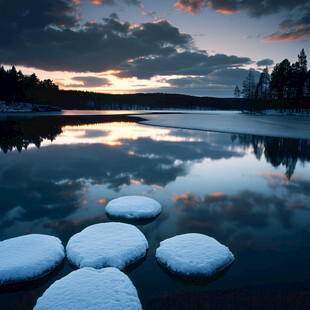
x=187 y=46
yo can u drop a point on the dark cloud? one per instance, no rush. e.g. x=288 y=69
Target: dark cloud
x=92 y=47
x=143 y=50
x=297 y=27
x=295 y=34
x=184 y=63
x=17 y=15
x=254 y=8
x=265 y=62
x=90 y=81
x=223 y=80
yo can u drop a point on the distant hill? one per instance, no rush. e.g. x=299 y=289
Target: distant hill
x=151 y=101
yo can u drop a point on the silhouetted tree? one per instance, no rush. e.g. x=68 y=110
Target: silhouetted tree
x=16 y=87
x=281 y=80
x=249 y=86
x=262 y=88
x=299 y=75
x=237 y=92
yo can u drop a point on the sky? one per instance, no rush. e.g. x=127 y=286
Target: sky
x=194 y=47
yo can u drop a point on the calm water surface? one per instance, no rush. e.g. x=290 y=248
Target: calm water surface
x=251 y=193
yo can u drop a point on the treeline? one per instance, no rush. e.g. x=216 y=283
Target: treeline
x=71 y=99
x=288 y=86
x=17 y=87
x=288 y=83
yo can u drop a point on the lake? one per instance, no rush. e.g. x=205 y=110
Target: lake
x=251 y=193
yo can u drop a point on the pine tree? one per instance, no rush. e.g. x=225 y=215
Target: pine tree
x=300 y=75
x=249 y=86
x=281 y=80
x=262 y=88
x=237 y=92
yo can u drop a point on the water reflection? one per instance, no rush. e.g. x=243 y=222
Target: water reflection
x=277 y=151
x=237 y=218
x=19 y=133
x=235 y=188
x=108 y=129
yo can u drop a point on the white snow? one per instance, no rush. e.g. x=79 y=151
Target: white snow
x=107 y=245
x=133 y=207
x=93 y=289
x=26 y=107
x=235 y=122
x=29 y=257
x=194 y=255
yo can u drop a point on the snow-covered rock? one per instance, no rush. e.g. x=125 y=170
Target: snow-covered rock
x=107 y=245
x=194 y=255
x=29 y=257
x=133 y=207
x=26 y=107
x=93 y=289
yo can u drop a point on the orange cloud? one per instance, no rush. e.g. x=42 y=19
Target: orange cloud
x=137 y=181
x=226 y=11
x=103 y=201
x=213 y=197
x=217 y=195
x=300 y=33
x=192 y=6
x=196 y=6
x=99 y=2
x=273 y=176
x=135 y=26
x=188 y=199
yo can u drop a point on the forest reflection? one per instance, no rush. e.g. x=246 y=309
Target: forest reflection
x=19 y=134
x=277 y=151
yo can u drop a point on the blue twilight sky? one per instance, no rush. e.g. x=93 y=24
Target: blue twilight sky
x=195 y=47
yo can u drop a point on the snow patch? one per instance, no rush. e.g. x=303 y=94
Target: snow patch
x=26 y=107
x=29 y=257
x=133 y=207
x=89 y=288
x=235 y=122
x=107 y=245
x=194 y=255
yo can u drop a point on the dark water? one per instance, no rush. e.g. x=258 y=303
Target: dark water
x=251 y=193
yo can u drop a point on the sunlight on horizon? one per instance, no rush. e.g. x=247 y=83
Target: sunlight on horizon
x=113 y=133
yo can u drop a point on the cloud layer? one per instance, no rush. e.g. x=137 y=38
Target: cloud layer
x=295 y=27
x=49 y=35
